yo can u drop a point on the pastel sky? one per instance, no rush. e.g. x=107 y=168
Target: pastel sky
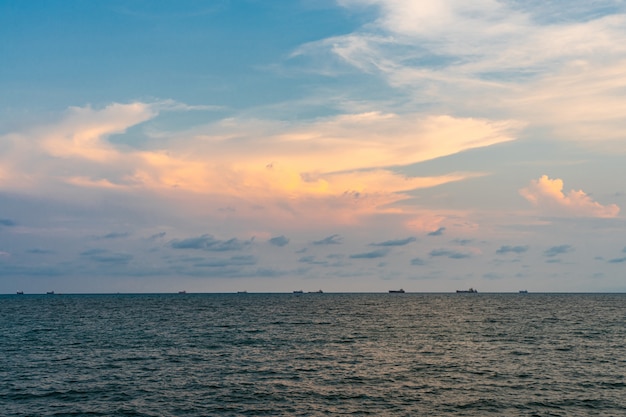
x=343 y=145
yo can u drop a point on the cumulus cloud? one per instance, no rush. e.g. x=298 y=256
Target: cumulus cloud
x=279 y=241
x=558 y=250
x=452 y=254
x=330 y=240
x=226 y=262
x=311 y=260
x=209 y=243
x=417 y=261
x=380 y=253
x=617 y=260
x=512 y=249
x=105 y=256
x=114 y=235
x=157 y=236
x=547 y=195
x=398 y=242
x=437 y=232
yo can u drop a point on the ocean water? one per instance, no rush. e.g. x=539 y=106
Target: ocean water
x=313 y=355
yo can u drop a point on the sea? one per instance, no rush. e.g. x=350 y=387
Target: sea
x=313 y=355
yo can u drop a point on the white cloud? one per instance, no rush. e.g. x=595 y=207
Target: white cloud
x=562 y=70
x=547 y=195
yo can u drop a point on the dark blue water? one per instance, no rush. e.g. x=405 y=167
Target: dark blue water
x=313 y=355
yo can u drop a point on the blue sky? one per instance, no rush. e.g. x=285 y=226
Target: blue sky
x=348 y=145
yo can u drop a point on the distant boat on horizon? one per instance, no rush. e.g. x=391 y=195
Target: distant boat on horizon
x=182 y=292
x=316 y=292
x=400 y=291
x=470 y=291
x=523 y=291
x=20 y=293
x=50 y=292
x=242 y=292
x=298 y=292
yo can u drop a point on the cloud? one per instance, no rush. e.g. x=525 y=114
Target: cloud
x=558 y=250
x=105 y=256
x=437 y=232
x=417 y=261
x=617 y=260
x=492 y=276
x=512 y=249
x=226 y=262
x=330 y=240
x=380 y=253
x=37 y=251
x=547 y=195
x=83 y=131
x=114 y=235
x=209 y=243
x=346 y=162
x=561 y=68
x=7 y=223
x=311 y=260
x=279 y=241
x=452 y=254
x=399 y=242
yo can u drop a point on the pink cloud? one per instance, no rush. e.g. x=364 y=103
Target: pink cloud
x=547 y=195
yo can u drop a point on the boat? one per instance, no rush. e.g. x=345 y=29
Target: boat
x=242 y=292
x=316 y=292
x=470 y=291
x=50 y=292
x=400 y=291
x=523 y=291
x=20 y=293
x=298 y=292
x=182 y=292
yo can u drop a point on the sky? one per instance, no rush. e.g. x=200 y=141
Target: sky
x=342 y=145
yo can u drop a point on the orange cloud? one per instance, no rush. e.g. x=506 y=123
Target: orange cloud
x=547 y=195
x=82 y=133
x=342 y=164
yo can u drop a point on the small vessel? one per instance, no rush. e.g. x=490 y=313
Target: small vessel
x=182 y=292
x=523 y=291
x=400 y=291
x=298 y=292
x=50 y=292
x=242 y=292
x=470 y=291
x=20 y=293
x=316 y=292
